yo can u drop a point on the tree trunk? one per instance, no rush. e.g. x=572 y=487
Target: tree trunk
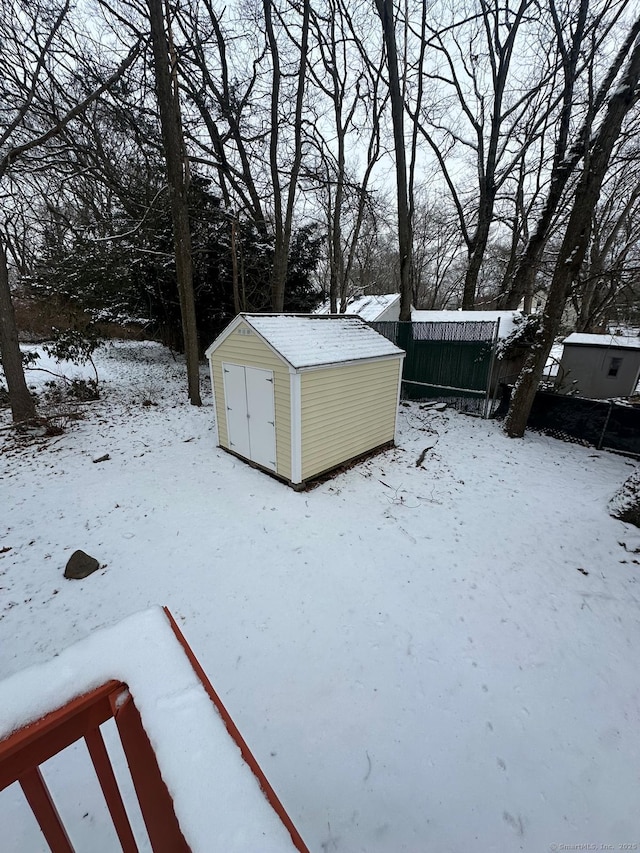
x=237 y=304
x=337 y=282
x=385 y=11
x=524 y=277
x=21 y=402
x=565 y=159
x=284 y=224
x=173 y=142
x=476 y=253
x=574 y=245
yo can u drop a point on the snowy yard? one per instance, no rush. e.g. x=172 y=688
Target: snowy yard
x=434 y=658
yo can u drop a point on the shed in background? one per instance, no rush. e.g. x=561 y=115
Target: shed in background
x=378 y=306
x=599 y=366
x=301 y=394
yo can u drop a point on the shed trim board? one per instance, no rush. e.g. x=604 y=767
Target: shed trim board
x=346 y=363
x=598 y=346
x=216 y=431
x=296 y=425
x=395 y=426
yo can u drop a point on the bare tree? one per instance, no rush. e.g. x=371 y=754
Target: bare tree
x=386 y=13
x=348 y=77
x=611 y=263
x=474 y=109
x=283 y=214
x=178 y=180
x=576 y=239
x=438 y=256
x=22 y=405
x=224 y=92
x=254 y=127
x=37 y=105
x=567 y=152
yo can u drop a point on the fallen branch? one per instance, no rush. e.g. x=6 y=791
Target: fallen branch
x=424 y=453
x=51 y=373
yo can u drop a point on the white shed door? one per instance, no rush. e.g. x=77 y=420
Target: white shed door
x=235 y=399
x=249 y=401
x=262 y=416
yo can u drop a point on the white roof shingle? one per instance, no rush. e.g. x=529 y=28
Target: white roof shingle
x=306 y=340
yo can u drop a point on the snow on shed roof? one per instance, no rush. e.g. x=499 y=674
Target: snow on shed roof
x=368 y=307
x=609 y=341
x=506 y=318
x=305 y=340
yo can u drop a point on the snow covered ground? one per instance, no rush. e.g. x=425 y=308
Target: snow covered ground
x=434 y=658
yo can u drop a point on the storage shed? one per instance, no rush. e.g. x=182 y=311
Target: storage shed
x=599 y=366
x=298 y=395
x=381 y=306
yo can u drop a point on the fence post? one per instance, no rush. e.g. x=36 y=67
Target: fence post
x=604 y=428
x=492 y=360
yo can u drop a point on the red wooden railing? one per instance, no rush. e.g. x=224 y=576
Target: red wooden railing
x=25 y=750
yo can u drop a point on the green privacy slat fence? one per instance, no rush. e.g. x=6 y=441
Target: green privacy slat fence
x=450 y=361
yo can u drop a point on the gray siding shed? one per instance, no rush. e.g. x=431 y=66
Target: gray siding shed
x=599 y=366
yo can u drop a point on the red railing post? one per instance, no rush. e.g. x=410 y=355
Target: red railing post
x=45 y=812
x=24 y=750
x=107 y=779
x=155 y=801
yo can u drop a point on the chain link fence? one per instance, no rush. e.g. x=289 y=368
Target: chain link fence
x=605 y=424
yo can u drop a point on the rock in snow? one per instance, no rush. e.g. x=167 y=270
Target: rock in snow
x=80 y=565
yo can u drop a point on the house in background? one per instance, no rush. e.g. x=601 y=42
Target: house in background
x=384 y=306
x=299 y=395
x=599 y=366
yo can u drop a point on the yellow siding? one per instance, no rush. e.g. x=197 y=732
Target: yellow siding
x=347 y=411
x=251 y=351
